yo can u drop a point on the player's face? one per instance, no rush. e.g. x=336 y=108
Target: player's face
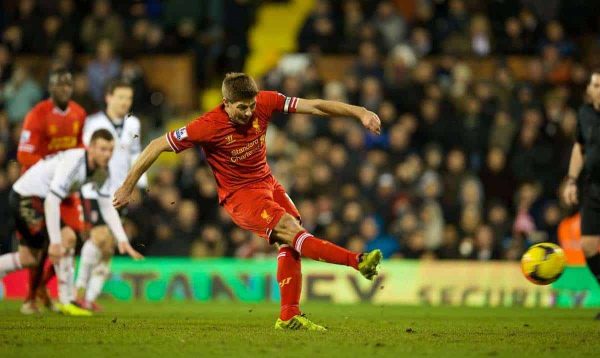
x=240 y=112
x=100 y=151
x=593 y=89
x=61 y=88
x=119 y=102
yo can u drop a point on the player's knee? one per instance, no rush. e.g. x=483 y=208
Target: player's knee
x=28 y=258
x=286 y=229
x=102 y=238
x=590 y=245
x=108 y=248
x=102 y=269
x=69 y=238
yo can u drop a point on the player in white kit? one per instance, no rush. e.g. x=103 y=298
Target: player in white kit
x=94 y=267
x=35 y=205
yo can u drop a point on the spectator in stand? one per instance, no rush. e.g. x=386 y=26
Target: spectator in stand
x=64 y=56
x=25 y=26
x=104 y=67
x=318 y=34
x=20 y=94
x=70 y=22
x=6 y=65
x=496 y=177
x=102 y=24
x=555 y=36
x=513 y=40
x=390 y=24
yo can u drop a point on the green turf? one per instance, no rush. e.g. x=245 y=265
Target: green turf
x=226 y=329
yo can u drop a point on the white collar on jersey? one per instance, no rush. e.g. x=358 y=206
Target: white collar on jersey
x=60 y=111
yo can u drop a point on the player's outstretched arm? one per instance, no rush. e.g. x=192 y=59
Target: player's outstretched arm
x=324 y=108
x=111 y=217
x=575 y=166
x=145 y=160
x=52 y=217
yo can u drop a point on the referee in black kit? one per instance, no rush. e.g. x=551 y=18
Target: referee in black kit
x=586 y=155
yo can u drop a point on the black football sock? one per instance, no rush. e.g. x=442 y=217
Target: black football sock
x=593 y=263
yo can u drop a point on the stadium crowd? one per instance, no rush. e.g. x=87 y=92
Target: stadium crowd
x=464 y=169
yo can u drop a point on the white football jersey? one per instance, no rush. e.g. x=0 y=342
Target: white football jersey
x=63 y=174
x=128 y=146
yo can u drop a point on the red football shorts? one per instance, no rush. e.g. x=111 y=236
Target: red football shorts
x=30 y=219
x=258 y=207
x=71 y=213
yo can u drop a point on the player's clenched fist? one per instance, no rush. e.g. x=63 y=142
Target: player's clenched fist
x=570 y=193
x=371 y=121
x=121 y=197
x=55 y=252
x=125 y=248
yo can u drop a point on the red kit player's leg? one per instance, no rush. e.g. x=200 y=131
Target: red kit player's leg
x=289 y=277
x=71 y=215
x=257 y=210
x=322 y=250
x=289 y=267
x=310 y=246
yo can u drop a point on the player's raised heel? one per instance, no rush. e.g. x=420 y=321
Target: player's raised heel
x=368 y=264
x=298 y=322
x=30 y=308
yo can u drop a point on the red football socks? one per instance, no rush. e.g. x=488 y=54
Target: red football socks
x=49 y=272
x=39 y=278
x=289 y=276
x=322 y=250
x=35 y=276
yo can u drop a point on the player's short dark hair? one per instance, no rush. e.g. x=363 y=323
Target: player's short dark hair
x=102 y=134
x=115 y=83
x=59 y=71
x=238 y=86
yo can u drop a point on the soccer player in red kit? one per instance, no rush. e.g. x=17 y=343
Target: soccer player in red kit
x=53 y=125
x=233 y=138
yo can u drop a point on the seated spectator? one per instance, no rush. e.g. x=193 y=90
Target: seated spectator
x=496 y=177
x=24 y=27
x=64 y=56
x=70 y=22
x=103 y=67
x=513 y=41
x=20 y=94
x=210 y=244
x=368 y=63
x=318 y=34
x=102 y=24
x=555 y=36
x=486 y=244
x=389 y=23
x=6 y=64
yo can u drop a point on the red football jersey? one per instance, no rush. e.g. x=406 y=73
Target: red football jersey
x=236 y=154
x=47 y=130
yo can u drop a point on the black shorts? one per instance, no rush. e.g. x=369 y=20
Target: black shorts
x=30 y=223
x=590 y=210
x=91 y=213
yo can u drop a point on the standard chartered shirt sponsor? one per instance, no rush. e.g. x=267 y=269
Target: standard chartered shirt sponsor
x=248 y=150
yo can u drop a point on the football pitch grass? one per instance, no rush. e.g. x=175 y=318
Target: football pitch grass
x=139 y=329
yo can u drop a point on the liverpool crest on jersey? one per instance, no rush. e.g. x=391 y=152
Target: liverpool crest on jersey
x=256 y=125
